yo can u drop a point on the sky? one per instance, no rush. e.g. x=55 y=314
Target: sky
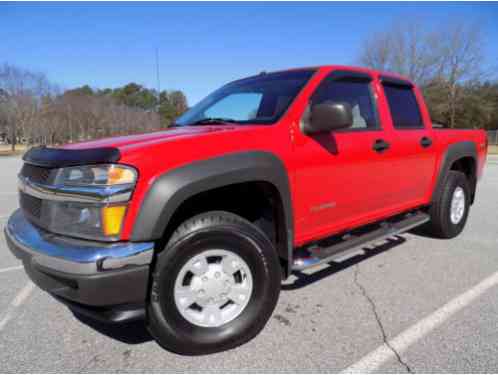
x=201 y=46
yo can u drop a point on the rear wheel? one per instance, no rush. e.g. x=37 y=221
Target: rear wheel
x=214 y=286
x=449 y=213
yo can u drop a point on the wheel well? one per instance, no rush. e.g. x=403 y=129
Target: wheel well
x=467 y=165
x=258 y=202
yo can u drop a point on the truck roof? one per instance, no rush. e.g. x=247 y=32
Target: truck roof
x=374 y=72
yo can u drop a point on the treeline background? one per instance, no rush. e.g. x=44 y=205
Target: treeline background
x=446 y=62
x=33 y=110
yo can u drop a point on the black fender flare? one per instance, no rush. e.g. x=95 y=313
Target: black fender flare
x=453 y=153
x=171 y=189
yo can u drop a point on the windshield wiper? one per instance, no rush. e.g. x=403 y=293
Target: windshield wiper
x=214 y=120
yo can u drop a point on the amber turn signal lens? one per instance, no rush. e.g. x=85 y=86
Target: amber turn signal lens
x=119 y=175
x=112 y=219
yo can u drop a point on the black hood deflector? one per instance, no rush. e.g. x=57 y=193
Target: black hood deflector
x=60 y=157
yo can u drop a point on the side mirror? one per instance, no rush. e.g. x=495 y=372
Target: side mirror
x=328 y=116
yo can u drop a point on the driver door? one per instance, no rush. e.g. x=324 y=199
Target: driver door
x=341 y=177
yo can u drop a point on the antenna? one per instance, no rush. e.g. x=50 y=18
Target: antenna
x=157 y=77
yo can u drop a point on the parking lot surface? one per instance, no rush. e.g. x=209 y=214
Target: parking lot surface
x=412 y=304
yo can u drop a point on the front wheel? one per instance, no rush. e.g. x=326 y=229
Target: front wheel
x=214 y=286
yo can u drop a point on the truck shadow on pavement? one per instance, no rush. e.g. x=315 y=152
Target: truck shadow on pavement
x=303 y=279
x=136 y=332
x=130 y=333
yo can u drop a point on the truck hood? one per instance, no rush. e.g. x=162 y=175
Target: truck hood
x=151 y=138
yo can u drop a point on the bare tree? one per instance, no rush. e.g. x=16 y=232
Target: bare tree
x=440 y=60
x=404 y=49
x=460 y=59
x=75 y=116
x=23 y=91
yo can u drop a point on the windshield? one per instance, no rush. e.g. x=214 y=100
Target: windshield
x=260 y=99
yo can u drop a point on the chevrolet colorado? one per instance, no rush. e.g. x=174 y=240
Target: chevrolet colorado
x=193 y=228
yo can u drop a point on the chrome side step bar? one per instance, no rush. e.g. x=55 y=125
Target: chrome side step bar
x=350 y=244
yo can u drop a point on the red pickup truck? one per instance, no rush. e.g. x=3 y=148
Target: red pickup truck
x=193 y=228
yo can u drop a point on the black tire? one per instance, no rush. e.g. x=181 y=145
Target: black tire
x=213 y=230
x=440 y=225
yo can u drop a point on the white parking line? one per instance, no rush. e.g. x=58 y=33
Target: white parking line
x=401 y=342
x=11 y=269
x=16 y=302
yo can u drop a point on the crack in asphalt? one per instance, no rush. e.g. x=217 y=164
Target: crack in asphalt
x=93 y=359
x=377 y=319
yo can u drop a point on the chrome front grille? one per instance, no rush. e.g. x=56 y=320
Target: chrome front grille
x=30 y=205
x=37 y=174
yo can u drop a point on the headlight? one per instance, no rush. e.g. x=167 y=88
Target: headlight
x=96 y=222
x=82 y=220
x=96 y=175
x=88 y=202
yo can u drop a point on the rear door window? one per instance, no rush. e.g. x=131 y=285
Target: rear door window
x=403 y=105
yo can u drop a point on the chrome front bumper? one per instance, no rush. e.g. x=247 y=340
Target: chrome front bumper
x=73 y=256
x=88 y=273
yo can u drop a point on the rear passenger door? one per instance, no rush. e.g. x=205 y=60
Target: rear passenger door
x=412 y=151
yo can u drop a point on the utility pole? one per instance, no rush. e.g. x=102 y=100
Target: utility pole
x=158 y=80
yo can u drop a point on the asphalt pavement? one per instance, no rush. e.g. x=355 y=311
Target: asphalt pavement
x=412 y=304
